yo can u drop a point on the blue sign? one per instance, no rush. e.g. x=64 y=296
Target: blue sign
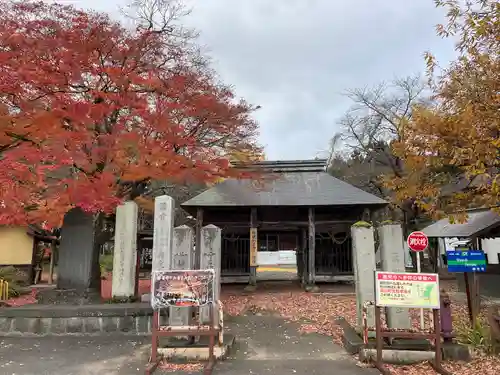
x=466 y=261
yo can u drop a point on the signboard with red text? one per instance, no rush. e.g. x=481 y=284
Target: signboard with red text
x=417 y=241
x=402 y=289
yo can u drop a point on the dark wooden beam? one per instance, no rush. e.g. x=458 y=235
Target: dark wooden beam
x=199 y=225
x=305 y=256
x=304 y=224
x=312 y=248
x=282 y=215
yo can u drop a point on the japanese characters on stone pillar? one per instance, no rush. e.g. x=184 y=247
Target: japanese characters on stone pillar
x=363 y=249
x=211 y=259
x=163 y=232
x=392 y=256
x=182 y=259
x=125 y=251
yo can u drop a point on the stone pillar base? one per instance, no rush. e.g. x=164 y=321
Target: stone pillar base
x=312 y=288
x=251 y=288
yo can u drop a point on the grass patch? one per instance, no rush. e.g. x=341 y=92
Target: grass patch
x=479 y=338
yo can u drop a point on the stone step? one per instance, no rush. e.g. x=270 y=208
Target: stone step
x=25 y=326
x=127 y=318
x=123 y=318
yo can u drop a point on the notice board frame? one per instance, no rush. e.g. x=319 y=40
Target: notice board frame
x=381 y=334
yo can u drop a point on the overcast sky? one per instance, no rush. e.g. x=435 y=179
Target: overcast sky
x=295 y=58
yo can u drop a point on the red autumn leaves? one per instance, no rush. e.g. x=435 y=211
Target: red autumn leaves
x=86 y=104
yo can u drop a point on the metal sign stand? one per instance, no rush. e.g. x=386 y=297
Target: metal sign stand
x=470 y=262
x=418 y=242
x=181 y=288
x=436 y=336
x=402 y=294
x=212 y=330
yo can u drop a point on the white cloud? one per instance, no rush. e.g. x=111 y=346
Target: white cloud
x=296 y=57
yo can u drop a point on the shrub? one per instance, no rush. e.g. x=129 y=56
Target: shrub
x=478 y=337
x=106 y=262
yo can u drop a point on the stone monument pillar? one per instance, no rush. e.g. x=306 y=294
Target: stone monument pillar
x=182 y=259
x=78 y=265
x=163 y=232
x=392 y=254
x=211 y=258
x=363 y=248
x=125 y=251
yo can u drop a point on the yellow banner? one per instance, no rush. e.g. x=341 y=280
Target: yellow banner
x=254 y=243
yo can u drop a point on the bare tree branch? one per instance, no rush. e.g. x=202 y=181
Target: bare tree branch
x=161 y=16
x=361 y=152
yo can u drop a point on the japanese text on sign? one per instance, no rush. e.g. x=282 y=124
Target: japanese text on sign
x=253 y=247
x=182 y=288
x=417 y=241
x=400 y=289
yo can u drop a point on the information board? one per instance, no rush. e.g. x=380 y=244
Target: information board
x=402 y=289
x=182 y=288
x=466 y=261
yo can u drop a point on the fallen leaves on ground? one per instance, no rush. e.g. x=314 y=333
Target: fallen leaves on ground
x=24 y=299
x=317 y=313
x=176 y=367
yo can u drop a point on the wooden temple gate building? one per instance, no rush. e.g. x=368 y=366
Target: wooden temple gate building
x=300 y=207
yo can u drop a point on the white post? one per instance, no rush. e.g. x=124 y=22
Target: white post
x=419 y=270
x=163 y=232
x=125 y=251
x=210 y=253
x=363 y=251
x=181 y=259
x=392 y=256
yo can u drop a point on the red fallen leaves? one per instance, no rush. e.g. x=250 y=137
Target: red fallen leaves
x=87 y=104
x=26 y=299
x=174 y=367
x=320 y=310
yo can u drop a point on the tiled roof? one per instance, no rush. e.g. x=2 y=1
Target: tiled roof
x=480 y=222
x=296 y=183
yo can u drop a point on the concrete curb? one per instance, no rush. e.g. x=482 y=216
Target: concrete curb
x=20 y=326
x=46 y=320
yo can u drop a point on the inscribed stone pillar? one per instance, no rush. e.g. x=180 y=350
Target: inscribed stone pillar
x=78 y=265
x=442 y=251
x=363 y=249
x=182 y=259
x=211 y=259
x=163 y=232
x=125 y=250
x=408 y=260
x=392 y=253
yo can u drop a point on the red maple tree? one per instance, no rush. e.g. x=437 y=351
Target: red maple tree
x=87 y=105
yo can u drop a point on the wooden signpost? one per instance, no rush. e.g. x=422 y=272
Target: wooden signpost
x=253 y=247
x=183 y=288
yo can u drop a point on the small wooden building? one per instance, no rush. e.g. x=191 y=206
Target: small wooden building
x=482 y=225
x=299 y=207
x=19 y=248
